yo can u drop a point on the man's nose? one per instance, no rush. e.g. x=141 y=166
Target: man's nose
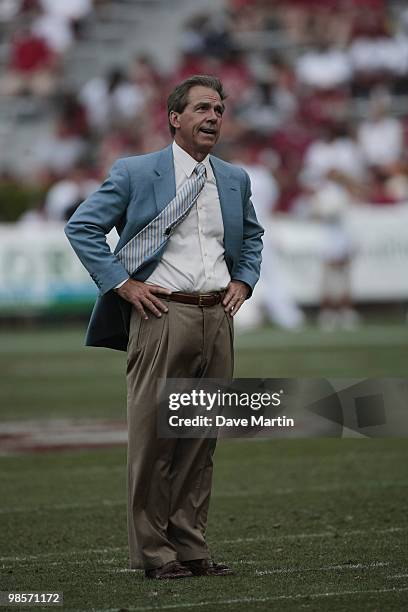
x=212 y=115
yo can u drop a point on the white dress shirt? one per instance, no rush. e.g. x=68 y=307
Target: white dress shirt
x=193 y=260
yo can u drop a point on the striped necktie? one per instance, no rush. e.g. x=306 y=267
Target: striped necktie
x=152 y=237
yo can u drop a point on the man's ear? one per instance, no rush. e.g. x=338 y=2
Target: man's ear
x=174 y=119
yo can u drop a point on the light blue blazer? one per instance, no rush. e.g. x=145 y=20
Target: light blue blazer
x=137 y=189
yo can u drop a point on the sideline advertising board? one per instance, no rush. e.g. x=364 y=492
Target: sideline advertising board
x=40 y=272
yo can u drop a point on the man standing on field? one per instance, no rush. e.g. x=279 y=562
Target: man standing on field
x=189 y=255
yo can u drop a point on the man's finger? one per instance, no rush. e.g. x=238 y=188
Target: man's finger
x=234 y=310
x=234 y=298
x=236 y=303
x=149 y=304
x=157 y=289
x=158 y=303
x=140 y=309
x=228 y=297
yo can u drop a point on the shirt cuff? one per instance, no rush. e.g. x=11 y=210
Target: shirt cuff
x=122 y=283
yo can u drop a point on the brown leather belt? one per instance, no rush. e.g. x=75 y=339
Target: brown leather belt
x=197 y=299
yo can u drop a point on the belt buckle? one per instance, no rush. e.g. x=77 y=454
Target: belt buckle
x=200 y=300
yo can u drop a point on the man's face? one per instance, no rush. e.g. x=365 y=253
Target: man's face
x=198 y=126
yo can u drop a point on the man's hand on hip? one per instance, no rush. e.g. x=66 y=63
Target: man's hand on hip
x=143 y=296
x=235 y=296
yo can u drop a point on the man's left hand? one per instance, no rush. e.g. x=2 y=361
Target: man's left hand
x=235 y=296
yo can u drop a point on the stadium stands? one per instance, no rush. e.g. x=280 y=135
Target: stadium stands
x=317 y=94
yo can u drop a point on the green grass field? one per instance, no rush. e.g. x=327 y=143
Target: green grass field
x=318 y=525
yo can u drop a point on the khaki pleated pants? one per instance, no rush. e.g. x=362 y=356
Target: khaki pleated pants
x=169 y=480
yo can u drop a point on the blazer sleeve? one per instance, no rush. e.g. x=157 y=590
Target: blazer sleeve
x=249 y=265
x=93 y=220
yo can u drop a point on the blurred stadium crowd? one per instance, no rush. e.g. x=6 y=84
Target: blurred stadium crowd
x=317 y=103
x=316 y=92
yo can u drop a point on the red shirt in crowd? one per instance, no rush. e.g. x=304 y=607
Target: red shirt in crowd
x=30 y=53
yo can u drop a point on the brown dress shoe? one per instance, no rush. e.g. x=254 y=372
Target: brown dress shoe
x=207 y=567
x=169 y=571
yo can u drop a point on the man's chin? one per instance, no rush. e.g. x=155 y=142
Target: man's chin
x=207 y=141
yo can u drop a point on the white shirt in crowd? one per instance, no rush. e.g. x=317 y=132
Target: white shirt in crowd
x=72 y=9
x=341 y=154
x=64 y=194
x=378 y=54
x=55 y=30
x=324 y=69
x=381 y=141
x=194 y=257
x=103 y=107
x=265 y=191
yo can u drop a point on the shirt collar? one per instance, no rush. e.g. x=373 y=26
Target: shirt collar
x=188 y=163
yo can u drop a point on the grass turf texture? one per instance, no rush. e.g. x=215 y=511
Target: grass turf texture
x=307 y=524
x=294 y=518
x=50 y=374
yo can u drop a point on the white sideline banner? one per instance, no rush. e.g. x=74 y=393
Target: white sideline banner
x=379 y=270
x=39 y=270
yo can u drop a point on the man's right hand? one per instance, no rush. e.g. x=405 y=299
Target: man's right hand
x=143 y=296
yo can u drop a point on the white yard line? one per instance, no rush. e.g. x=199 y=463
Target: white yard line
x=294 y=536
x=52 y=507
x=95 y=469
x=321 y=534
x=291 y=570
x=97 y=562
x=398 y=576
x=68 y=553
x=324 y=568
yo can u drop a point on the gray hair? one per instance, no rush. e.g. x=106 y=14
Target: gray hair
x=178 y=99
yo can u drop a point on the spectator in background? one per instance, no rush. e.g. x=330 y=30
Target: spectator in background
x=191 y=61
x=245 y=16
x=272 y=299
x=54 y=29
x=73 y=114
x=272 y=101
x=396 y=185
x=336 y=149
x=217 y=35
x=65 y=196
x=32 y=66
x=327 y=53
x=119 y=142
x=9 y=9
x=144 y=74
x=74 y=12
x=60 y=151
x=233 y=70
x=381 y=137
x=329 y=204
x=325 y=67
x=112 y=101
x=192 y=40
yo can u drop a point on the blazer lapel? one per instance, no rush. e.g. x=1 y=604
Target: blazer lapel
x=164 y=181
x=231 y=209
